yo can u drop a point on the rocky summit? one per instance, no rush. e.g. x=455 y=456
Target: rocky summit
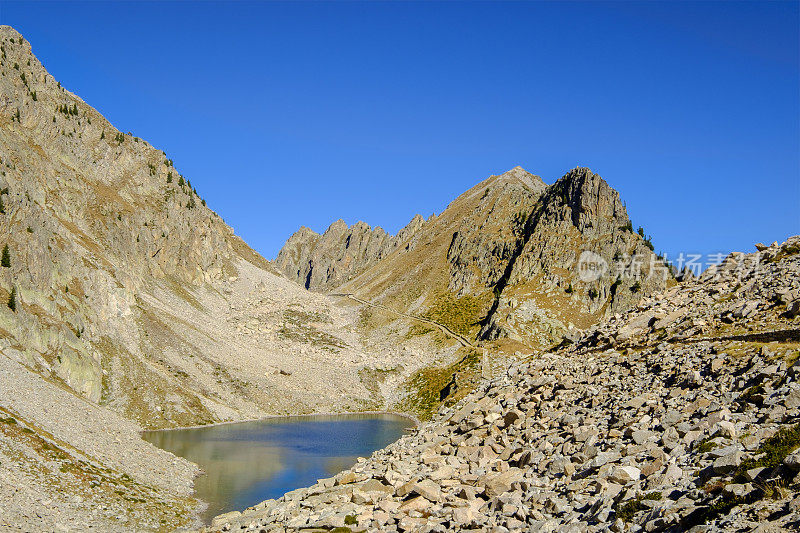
x=682 y=413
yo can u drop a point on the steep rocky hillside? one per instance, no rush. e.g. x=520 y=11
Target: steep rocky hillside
x=126 y=303
x=680 y=414
x=126 y=287
x=320 y=262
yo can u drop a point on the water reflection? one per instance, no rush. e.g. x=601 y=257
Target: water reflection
x=250 y=462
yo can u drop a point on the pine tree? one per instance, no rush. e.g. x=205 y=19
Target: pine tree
x=2 y=207
x=12 y=299
x=6 y=259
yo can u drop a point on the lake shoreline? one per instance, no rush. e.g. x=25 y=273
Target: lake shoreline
x=415 y=420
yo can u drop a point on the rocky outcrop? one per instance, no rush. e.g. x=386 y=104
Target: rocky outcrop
x=91 y=215
x=681 y=413
x=323 y=262
x=579 y=242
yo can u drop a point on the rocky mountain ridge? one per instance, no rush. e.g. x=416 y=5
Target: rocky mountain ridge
x=509 y=251
x=326 y=261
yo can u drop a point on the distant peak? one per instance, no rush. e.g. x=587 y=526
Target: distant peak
x=338 y=226
x=306 y=230
x=519 y=174
x=516 y=171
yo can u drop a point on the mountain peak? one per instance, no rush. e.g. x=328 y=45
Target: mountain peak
x=520 y=175
x=590 y=198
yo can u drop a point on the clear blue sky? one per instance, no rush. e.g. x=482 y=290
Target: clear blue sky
x=288 y=114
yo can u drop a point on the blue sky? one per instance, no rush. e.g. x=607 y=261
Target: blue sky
x=288 y=114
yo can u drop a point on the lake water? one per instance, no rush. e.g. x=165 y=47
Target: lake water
x=249 y=462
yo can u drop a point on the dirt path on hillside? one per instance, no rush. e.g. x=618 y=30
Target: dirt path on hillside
x=460 y=338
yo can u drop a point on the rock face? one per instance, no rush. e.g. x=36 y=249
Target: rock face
x=681 y=414
x=127 y=289
x=526 y=261
x=321 y=262
x=90 y=216
x=127 y=304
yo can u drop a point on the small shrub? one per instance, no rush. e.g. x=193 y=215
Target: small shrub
x=592 y=293
x=705 y=445
x=12 y=299
x=569 y=290
x=6 y=258
x=752 y=395
x=627 y=511
x=772 y=452
x=773 y=490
